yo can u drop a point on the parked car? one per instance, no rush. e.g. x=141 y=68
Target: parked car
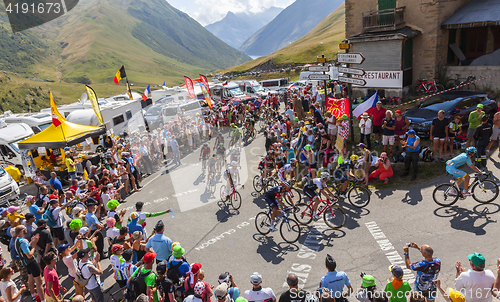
x=453 y=103
x=153 y=118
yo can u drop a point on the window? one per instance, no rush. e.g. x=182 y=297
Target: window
x=466 y=103
x=118 y=119
x=3 y=150
x=129 y=114
x=476 y=42
x=249 y=89
x=169 y=111
x=270 y=83
x=191 y=106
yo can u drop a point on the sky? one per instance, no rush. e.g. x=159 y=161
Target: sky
x=210 y=11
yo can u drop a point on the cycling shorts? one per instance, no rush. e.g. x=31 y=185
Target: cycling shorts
x=456 y=173
x=271 y=200
x=310 y=191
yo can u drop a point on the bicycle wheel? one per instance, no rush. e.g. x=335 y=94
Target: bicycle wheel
x=295 y=195
x=359 y=197
x=235 y=200
x=334 y=217
x=439 y=87
x=471 y=86
x=304 y=214
x=258 y=183
x=223 y=196
x=418 y=89
x=485 y=191
x=445 y=195
x=290 y=230
x=262 y=223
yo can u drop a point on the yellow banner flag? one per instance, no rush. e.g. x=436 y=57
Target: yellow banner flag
x=95 y=105
x=57 y=118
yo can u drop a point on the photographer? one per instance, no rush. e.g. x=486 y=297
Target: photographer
x=232 y=290
x=384 y=169
x=427 y=270
x=294 y=293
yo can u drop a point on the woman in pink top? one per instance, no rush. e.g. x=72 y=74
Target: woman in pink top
x=402 y=124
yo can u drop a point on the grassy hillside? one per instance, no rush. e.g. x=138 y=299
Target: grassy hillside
x=322 y=39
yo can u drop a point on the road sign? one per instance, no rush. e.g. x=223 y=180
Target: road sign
x=354 y=81
x=344 y=45
x=319 y=68
x=351 y=58
x=355 y=71
x=321 y=60
x=319 y=76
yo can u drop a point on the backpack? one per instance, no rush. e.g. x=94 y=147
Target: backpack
x=427 y=155
x=173 y=272
x=39 y=202
x=51 y=222
x=137 y=285
x=79 y=276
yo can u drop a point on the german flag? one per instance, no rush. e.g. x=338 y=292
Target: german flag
x=120 y=74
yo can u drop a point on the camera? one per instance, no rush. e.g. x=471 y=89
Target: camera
x=362 y=274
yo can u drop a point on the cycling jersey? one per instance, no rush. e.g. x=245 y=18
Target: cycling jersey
x=236 y=131
x=221 y=150
x=460 y=160
x=211 y=161
x=310 y=190
x=266 y=161
x=283 y=171
x=272 y=195
x=205 y=152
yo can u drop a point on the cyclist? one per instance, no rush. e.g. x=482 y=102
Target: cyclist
x=273 y=197
x=236 y=133
x=219 y=140
x=287 y=169
x=459 y=175
x=344 y=173
x=266 y=164
x=310 y=191
x=204 y=154
x=212 y=161
x=230 y=175
x=221 y=154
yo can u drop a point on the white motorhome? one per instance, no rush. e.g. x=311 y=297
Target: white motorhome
x=227 y=91
x=253 y=88
x=179 y=94
x=37 y=121
x=10 y=135
x=190 y=109
x=274 y=84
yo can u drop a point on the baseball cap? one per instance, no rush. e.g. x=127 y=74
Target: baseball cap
x=83 y=230
x=368 y=280
x=91 y=202
x=398 y=111
x=221 y=290
x=361 y=145
x=62 y=247
x=149 y=257
x=2 y=210
x=379 y=102
x=476 y=259
x=161 y=267
x=255 y=278
x=195 y=268
x=383 y=154
x=224 y=277
x=396 y=271
x=82 y=253
x=41 y=222
x=480 y=106
x=411 y=131
x=241 y=299
x=12 y=209
x=53 y=201
x=116 y=247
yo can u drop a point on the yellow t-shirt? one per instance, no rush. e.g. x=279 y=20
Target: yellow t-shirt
x=12 y=217
x=69 y=162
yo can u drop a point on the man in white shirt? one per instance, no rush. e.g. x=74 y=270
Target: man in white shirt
x=257 y=293
x=91 y=270
x=365 y=126
x=476 y=284
x=57 y=230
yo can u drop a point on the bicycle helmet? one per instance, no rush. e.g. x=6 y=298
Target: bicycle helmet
x=324 y=175
x=287 y=184
x=234 y=163
x=199 y=288
x=293 y=161
x=233 y=125
x=205 y=145
x=471 y=150
x=271 y=152
x=354 y=157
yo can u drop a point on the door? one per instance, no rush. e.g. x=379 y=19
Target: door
x=386 y=4
x=387 y=18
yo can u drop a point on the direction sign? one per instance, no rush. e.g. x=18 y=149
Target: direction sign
x=351 y=58
x=319 y=76
x=355 y=71
x=319 y=68
x=344 y=45
x=354 y=81
x=321 y=60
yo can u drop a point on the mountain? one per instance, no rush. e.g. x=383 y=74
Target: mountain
x=234 y=29
x=324 y=38
x=155 y=41
x=292 y=23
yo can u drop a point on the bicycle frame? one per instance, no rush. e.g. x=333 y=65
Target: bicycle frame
x=320 y=212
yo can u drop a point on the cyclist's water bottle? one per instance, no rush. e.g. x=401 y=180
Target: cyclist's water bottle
x=171 y=213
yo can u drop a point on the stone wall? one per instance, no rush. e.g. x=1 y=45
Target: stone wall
x=491 y=84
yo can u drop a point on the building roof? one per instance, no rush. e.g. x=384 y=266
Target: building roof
x=475 y=13
x=398 y=34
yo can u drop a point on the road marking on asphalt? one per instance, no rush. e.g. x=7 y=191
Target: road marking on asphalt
x=221 y=236
x=386 y=246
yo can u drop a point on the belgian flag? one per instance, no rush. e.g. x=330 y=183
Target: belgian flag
x=120 y=74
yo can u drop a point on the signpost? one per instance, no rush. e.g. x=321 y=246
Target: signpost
x=355 y=71
x=354 y=81
x=316 y=76
x=350 y=58
x=319 y=68
x=344 y=46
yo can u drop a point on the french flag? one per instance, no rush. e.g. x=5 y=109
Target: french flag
x=371 y=102
x=146 y=93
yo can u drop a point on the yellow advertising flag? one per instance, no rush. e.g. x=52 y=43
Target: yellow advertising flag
x=95 y=104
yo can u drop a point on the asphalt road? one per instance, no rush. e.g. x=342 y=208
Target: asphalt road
x=226 y=240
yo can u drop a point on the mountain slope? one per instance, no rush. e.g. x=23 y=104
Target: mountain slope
x=292 y=23
x=324 y=38
x=234 y=29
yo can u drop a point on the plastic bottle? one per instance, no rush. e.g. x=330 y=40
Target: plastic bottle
x=171 y=213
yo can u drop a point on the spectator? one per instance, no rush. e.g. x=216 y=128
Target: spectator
x=496 y=132
x=474 y=121
x=52 y=287
x=482 y=136
x=316 y=114
x=232 y=290
x=34 y=208
x=179 y=264
x=146 y=274
x=427 y=270
x=367 y=291
x=17 y=263
x=365 y=126
x=116 y=260
x=14 y=217
x=412 y=145
x=377 y=114
x=164 y=285
x=159 y=243
x=45 y=243
x=94 y=224
x=388 y=126
x=7 y=287
x=402 y=124
x=91 y=270
x=297 y=104
x=221 y=293
x=258 y=293
x=450 y=295
x=57 y=214
x=476 y=283
x=439 y=135
x=70 y=260
x=331 y=121
x=396 y=287
x=367 y=161
x=40 y=180
x=454 y=129
x=384 y=169
x=199 y=288
x=55 y=184
x=175 y=150
x=335 y=280
x=293 y=293
x=207 y=293
x=70 y=165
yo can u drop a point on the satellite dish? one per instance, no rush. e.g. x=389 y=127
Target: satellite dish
x=83 y=97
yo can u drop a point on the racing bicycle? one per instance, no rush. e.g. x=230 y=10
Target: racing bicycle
x=234 y=197
x=293 y=193
x=484 y=190
x=333 y=215
x=289 y=229
x=425 y=86
x=357 y=195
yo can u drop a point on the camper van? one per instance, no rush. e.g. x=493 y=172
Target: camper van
x=10 y=135
x=274 y=84
x=191 y=108
x=227 y=92
x=179 y=94
x=253 y=88
x=37 y=121
x=9 y=189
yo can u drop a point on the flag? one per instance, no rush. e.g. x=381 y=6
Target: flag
x=57 y=118
x=371 y=102
x=205 y=82
x=120 y=74
x=190 y=88
x=206 y=95
x=146 y=93
x=337 y=107
x=95 y=105
x=224 y=83
x=164 y=86
x=129 y=91
x=344 y=130
x=291 y=86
